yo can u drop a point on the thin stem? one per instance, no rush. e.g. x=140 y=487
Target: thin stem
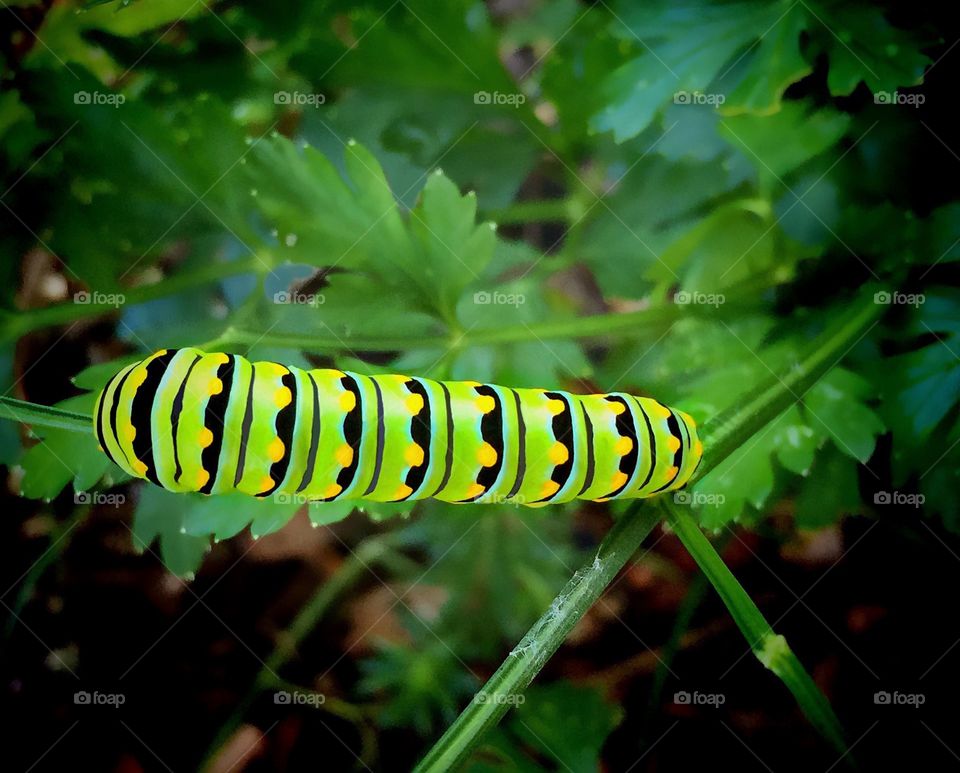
x=542 y=640
x=43 y=415
x=770 y=648
x=721 y=437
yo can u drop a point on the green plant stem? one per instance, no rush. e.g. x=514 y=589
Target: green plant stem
x=352 y=569
x=598 y=325
x=721 y=438
x=43 y=415
x=542 y=640
x=771 y=649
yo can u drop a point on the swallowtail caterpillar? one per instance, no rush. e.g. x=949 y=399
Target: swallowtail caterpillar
x=189 y=420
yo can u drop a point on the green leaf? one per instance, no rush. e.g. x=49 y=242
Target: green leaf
x=163 y=515
x=778 y=144
x=62 y=456
x=835 y=404
x=830 y=492
x=861 y=45
x=566 y=723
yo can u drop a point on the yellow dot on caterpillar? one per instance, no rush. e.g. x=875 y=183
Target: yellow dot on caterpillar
x=278 y=369
x=282 y=397
x=475 y=490
x=487 y=455
x=619 y=479
x=140 y=468
x=220 y=358
x=623 y=446
x=661 y=410
x=202 y=477
x=214 y=386
x=698 y=448
x=129 y=432
x=413 y=455
x=414 y=404
x=276 y=450
x=670 y=474
x=471 y=383
x=617 y=408
x=673 y=443
x=549 y=488
x=558 y=453
x=266 y=483
x=206 y=438
x=400 y=378
x=332 y=490
x=402 y=492
x=159 y=353
x=555 y=406
x=485 y=403
x=139 y=376
x=348 y=401
x=344 y=455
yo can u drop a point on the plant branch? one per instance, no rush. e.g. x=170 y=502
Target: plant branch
x=722 y=437
x=43 y=415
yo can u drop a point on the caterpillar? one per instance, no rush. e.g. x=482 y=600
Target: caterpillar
x=188 y=420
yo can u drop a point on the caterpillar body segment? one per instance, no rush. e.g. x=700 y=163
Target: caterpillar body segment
x=189 y=420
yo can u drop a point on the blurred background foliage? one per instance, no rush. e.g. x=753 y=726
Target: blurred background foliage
x=661 y=198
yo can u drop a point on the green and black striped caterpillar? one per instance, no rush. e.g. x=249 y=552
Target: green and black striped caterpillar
x=214 y=423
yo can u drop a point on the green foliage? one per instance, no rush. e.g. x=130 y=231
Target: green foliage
x=729 y=174
x=559 y=722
